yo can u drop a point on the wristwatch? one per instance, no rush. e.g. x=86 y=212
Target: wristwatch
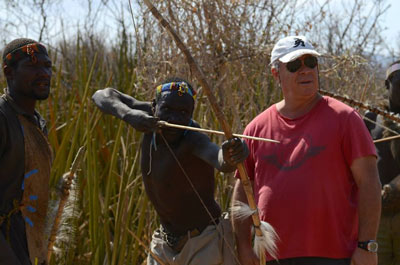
x=370 y=245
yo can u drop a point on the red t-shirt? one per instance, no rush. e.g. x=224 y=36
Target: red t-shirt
x=303 y=186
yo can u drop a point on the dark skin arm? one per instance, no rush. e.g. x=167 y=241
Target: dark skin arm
x=3 y=134
x=365 y=173
x=6 y=254
x=137 y=113
x=224 y=159
x=395 y=149
x=391 y=191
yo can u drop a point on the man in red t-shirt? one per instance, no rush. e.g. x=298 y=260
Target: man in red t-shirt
x=319 y=188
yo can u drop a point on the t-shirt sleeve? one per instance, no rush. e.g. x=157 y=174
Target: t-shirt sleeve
x=249 y=162
x=357 y=142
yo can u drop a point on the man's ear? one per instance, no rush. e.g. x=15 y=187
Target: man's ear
x=7 y=70
x=275 y=73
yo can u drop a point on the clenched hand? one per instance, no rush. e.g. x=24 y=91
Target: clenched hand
x=234 y=151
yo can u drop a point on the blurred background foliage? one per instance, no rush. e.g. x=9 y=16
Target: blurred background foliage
x=231 y=41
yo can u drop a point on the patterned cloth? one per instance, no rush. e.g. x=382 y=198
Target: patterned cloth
x=36 y=189
x=23 y=186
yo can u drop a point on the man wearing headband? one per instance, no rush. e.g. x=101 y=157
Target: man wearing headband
x=389 y=170
x=25 y=156
x=319 y=188
x=178 y=174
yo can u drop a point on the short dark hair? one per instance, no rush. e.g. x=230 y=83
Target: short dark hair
x=175 y=79
x=15 y=45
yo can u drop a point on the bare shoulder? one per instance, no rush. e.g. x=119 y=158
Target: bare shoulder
x=197 y=139
x=194 y=138
x=201 y=146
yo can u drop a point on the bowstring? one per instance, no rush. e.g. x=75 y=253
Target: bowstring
x=199 y=197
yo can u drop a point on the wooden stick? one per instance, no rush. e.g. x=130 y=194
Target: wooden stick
x=172 y=125
x=64 y=196
x=219 y=114
x=387 y=139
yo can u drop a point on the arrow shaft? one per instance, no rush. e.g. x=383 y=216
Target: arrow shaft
x=387 y=139
x=172 y=125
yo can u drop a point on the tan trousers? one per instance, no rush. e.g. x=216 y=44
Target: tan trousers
x=213 y=246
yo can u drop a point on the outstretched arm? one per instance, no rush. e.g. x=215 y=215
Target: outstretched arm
x=137 y=113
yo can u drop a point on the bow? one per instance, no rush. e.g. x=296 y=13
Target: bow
x=222 y=120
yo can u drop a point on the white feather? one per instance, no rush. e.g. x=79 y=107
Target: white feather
x=266 y=242
x=241 y=210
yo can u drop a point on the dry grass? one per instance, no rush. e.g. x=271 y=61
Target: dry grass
x=231 y=40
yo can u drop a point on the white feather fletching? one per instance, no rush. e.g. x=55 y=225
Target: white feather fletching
x=241 y=211
x=266 y=242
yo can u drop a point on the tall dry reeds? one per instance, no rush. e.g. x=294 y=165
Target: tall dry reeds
x=232 y=41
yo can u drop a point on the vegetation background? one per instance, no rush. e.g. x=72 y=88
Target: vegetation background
x=111 y=219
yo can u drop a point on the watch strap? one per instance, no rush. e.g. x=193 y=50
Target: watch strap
x=364 y=245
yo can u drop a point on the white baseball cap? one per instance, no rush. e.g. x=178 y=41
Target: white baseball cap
x=290 y=48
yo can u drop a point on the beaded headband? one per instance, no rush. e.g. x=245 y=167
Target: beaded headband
x=26 y=50
x=181 y=87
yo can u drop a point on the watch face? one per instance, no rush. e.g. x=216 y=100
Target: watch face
x=372 y=247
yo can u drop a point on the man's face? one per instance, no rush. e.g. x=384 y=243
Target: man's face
x=174 y=108
x=32 y=80
x=394 y=88
x=301 y=83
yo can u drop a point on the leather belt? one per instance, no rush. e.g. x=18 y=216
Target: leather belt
x=177 y=242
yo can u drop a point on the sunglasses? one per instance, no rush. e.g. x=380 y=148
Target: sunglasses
x=309 y=61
